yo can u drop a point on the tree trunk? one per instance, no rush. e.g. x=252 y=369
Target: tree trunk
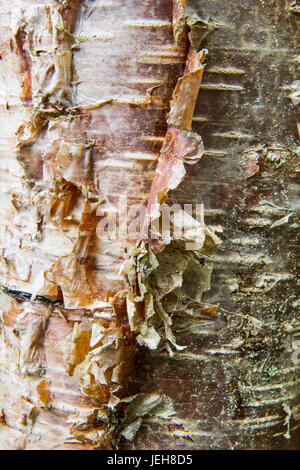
x=109 y=340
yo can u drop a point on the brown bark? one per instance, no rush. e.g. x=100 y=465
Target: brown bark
x=93 y=95
x=237 y=386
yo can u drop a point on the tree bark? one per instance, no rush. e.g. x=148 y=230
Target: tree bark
x=145 y=344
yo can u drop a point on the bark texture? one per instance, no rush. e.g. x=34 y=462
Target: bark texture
x=93 y=95
x=237 y=386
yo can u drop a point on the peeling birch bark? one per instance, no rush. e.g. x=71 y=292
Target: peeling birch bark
x=236 y=385
x=79 y=134
x=97 y=103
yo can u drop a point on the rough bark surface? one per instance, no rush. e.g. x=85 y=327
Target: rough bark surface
x=93 y=95
x=236 y=386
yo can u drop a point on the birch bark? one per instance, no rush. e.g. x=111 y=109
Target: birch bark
x=91 y=352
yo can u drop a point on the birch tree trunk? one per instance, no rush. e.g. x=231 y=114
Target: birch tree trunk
x=117 y=342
